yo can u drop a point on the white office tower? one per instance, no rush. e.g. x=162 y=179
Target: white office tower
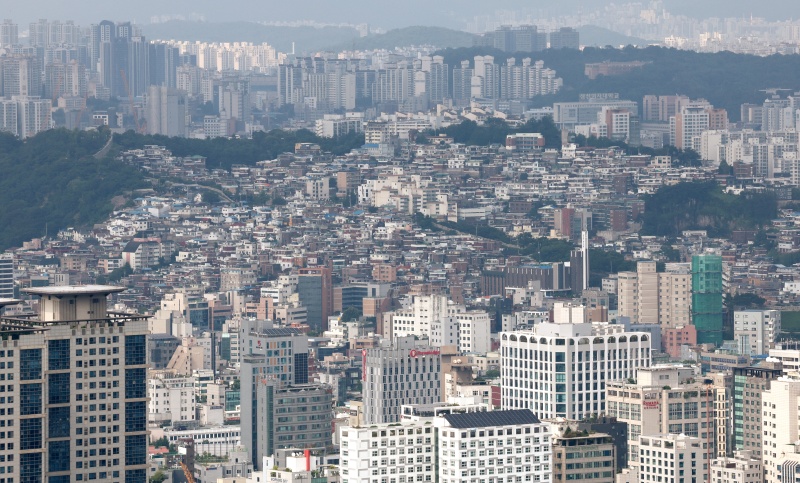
x=561 y=370
x=495 y=446
x=743 y=467
x=399 y=374
x=78 y=408
x=780 y=448
x=756 y=331
x=672 y=458
x=663 y=399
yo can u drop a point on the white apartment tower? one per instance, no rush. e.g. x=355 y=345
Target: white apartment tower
x=561 y=370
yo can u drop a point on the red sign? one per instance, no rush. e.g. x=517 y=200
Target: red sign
x=416 y=353
x=650 y=404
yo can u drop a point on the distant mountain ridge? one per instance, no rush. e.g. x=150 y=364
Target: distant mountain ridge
x=307 y=40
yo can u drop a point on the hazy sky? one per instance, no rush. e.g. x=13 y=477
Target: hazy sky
x=380 y=13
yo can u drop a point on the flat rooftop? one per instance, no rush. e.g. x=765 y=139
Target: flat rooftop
x=74 y=290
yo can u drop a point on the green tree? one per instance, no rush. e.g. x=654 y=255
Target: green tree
x=350 y=314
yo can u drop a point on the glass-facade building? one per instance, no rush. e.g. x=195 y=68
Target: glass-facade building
x=707 y=298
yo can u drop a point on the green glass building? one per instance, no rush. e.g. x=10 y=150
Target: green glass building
x=707 y=298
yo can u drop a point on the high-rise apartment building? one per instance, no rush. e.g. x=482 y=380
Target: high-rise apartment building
x=707 y=298
x=649 y=297
x=80 y=400
x=398 y=374
x=9 y=33
x=561 y=370
x=166 y=111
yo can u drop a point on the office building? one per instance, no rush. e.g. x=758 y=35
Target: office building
x=722 y=383
x=749 y=384
x=565 y=38
x=284 y=417
x=166 y=111
x=673 y=458
x=561 y=370
x=595 y=452
x=663 y=399
x=567 y=115
x=756 y=331
x=743 y=467
x=275 y=389
x=315 y=290
x=512 y=445
x=81 y=396
x=707 y=298
x=6 y=275
x=398 y=374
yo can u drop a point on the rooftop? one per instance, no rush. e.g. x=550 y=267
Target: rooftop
x=491 y=418
x=4 y=302
x=74 y=290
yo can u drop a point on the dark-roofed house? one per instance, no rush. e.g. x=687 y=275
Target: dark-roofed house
x=497 y=446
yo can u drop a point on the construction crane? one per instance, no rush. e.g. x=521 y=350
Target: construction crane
x=139 y=129
x=187 y=473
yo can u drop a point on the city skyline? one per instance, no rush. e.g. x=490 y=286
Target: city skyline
x=448 y=13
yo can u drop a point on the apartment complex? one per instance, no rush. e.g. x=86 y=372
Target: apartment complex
x=649 y=297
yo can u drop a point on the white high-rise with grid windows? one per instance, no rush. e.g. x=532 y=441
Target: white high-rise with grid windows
x=561 y=370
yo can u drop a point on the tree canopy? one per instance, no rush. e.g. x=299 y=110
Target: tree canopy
x=53 y=181
x=704 y=206
x=224 y=152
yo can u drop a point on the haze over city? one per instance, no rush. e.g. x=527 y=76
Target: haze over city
x=383 y=14
x=417 y=242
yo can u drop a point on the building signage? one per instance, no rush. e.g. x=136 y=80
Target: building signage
x=416 y=353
